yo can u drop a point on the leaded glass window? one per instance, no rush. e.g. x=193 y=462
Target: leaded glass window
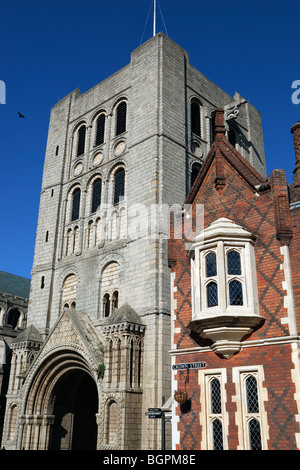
x=215 y=393
x=217 y=434
x=212 y=294
x=121 y=118
x=76 y=204
x=254 y=434
x=234 y=263
x=211 y=265
x=119 y=186
x=96 y=196
x=252 y=395
x=195 y=118
x=100 y=130
x=235 y=292
x=81 y=140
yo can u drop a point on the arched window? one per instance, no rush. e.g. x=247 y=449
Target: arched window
x=13 y=318
x=75 y=204
x=121 y=118
x=119 y=186
x=100 y=128
x=212 y=294
x=115 y=299
x=234 y=263
x=112 y=423
x=81 y=140
x=96 y=196
x=211 y=265
x=195 y=170
x=106 y=305
x=69 y=290
x=235 y=292
x=195 y=118
x=252 y=395
x=232 y=137
x=215 y=393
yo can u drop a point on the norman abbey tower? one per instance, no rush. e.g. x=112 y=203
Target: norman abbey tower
x=94 y=355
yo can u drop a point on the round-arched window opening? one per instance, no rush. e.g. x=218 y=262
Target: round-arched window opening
x=13 y=318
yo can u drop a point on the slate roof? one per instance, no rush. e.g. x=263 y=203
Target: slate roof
x=14 y=285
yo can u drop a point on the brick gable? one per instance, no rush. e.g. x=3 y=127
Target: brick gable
x=229 y=187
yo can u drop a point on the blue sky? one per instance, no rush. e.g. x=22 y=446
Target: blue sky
x=49 y=48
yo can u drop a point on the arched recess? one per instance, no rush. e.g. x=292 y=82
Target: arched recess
x=61 y=404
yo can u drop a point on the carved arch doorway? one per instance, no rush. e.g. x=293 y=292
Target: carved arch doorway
x=61 y=405
x=75 y=408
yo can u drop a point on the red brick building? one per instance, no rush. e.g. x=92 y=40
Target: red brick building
x=235 y=288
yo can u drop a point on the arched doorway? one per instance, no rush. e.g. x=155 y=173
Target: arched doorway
x=61 y=404
x=75 y=407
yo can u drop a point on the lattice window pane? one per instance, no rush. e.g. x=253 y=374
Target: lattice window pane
x=215 y=391
x=211 y=265
x=119 y=186
x=81 y=140
x=96 y=198
x=100 y=130
x=212 y=294
x=76 y=204
x=252 y=395
x=196 y=125
x=217 y=433
x=121 y=118
x=234 y=263
x=235 y=293
x=254 y=434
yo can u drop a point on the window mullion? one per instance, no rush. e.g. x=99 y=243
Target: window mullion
x=221 y=276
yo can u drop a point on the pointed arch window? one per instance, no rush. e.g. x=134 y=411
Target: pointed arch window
x=75 y=204
x=119 y=186
x=251 y=407
x=96 y=195
x=81 y=140
x=100 y=129
x=121 y=118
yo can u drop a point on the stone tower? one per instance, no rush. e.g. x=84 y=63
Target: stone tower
x=100 y=291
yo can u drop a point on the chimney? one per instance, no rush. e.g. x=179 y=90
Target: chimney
x=219 y=127
x=295 y=130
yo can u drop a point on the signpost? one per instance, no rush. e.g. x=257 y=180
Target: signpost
x=154 y=413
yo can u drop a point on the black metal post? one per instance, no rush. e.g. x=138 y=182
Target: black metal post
x=163 y=431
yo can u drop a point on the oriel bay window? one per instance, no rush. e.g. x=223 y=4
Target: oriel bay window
x=224 y=286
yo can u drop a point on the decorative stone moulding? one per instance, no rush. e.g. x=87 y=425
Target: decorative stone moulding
x=78 y=169
x=226 y=332
x=226 y=325
x=119 y=148
x=97 y=159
